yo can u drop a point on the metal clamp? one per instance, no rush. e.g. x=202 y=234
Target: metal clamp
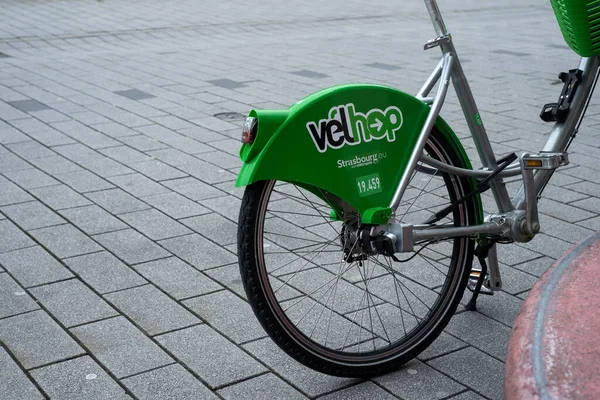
x=441 y=40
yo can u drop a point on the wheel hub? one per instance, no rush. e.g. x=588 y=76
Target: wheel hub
x=361 y=241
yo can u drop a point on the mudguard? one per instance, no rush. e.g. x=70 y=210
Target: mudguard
x=351 y=140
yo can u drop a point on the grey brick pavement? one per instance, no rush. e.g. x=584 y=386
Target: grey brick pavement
x=117 y=205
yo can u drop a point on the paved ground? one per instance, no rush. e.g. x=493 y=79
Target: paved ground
x=117 y=206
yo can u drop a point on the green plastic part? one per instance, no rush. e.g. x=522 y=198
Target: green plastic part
x=353 y=141
x=579 y=22
x=334 y=216
x=377 y=216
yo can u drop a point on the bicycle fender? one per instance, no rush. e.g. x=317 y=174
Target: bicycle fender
x=351 y=140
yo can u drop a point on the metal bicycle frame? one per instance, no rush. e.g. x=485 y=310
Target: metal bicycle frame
x=449 y=68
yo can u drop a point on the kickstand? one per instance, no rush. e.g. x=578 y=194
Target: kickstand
x=481 y=252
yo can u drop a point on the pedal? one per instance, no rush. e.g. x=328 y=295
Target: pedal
x=485 y=286
x=543 y=160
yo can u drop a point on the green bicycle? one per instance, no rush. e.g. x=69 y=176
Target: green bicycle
x=362 y=213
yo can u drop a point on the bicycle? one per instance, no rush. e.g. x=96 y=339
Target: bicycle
x=362 y=213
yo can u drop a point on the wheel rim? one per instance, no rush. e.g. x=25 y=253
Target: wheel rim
x=354 y=313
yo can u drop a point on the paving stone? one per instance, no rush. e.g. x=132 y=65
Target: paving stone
x=563 y=211
x=32 y=215
x=151 y=309
x=10 y=162
x=587 y=188
x=131 y=246
x=65 y=241
x=77 y=152
x=34 y=266
x=222 y=159
x=514 y=281
x=12 y=194
x=58 y=297
x=365 y=390
x=311 y=382
x=198 y=251
x=568 y=232
x=34 y=339
x=30 y=150
x=272 y=387
x=172 y=122
x=104 y=272
x=592 y=223
x=444 y=344
x=501 y=307
x=157 y=170
x=31 y=178
x=309 y=74
x=461 y=364
x=51 y=137
x=229 y=314
x=105 y=167
x=213 y=358
x=155 y=224
x=213 y=227
x=481 y=332
x=117 y=201
x=547 y=245
x=28 y=105
x=84 y=181
x=193 y=188
x=536 y=267
x=172 y=156
x=80 y=378
x=513 y=255
x=175 y=205
x=143 y=143
x=563 y=195
x=226 y=83
x=467 y=396
x=134 y=94
x=202 y=134
x=172 y=381
x=14 y=384
x=115 y=130
x=229 y=276
x=55 y=165
x=84 y=134
x=177 y=278
x=591 y=204
x=138 y=185
x=121 y=347
x=418 y=381
x=89 y=118
x=60 y=196
x=125 y=154
x=207 y=172
x=12 y=237
x=93 y=219
x=13 y=299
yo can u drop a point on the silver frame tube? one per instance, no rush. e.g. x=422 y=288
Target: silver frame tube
x=448 y=63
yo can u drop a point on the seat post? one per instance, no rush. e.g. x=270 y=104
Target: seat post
x=436 y=17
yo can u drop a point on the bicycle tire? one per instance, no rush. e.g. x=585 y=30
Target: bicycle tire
x=352 y=359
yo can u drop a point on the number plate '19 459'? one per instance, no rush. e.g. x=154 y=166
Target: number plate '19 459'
x=368 y=185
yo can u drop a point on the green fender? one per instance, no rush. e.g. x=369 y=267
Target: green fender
x=351 y=140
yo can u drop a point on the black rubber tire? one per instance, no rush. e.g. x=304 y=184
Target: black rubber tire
x=269 y=312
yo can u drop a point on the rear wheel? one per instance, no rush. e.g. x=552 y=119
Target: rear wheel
x=359 y=316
